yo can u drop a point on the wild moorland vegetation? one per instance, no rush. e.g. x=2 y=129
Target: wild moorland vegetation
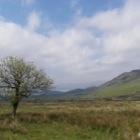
x=112 y=120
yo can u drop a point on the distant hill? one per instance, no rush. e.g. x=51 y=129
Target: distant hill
x=124 y=85
x=79 y=92
x=76 y=93
x=47 y=94
x=51 y=94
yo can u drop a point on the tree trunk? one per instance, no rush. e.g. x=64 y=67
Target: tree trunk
x=15 y=105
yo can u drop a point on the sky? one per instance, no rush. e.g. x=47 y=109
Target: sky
x=78 y=43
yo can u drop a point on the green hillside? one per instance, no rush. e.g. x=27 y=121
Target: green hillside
x=124 y=84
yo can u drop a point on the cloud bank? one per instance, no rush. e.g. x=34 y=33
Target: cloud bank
x=89 y=51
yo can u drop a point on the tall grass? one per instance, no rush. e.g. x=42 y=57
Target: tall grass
x=120 y=120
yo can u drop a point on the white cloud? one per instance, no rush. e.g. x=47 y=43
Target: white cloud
x=33 y=21
x=121 y=28
x=118 y=30
x=66 y=52
x=94 y=48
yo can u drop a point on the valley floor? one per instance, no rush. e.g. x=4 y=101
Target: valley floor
x=71 y=121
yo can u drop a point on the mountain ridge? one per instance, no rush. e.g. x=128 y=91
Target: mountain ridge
x=125 y=84
x=124 y=77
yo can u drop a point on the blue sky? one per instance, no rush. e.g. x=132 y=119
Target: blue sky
x=58 y=11
x=79 y=43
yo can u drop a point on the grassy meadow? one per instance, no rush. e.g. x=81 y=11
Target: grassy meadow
x=71 y=121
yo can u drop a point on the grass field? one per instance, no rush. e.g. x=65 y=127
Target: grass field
x=71 y=121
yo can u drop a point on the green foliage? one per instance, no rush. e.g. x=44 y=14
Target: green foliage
x=19 y=79
x=24 y=77
x=14 y=99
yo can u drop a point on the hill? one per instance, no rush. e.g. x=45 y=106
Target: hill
x=76 y=93
x=125 y=85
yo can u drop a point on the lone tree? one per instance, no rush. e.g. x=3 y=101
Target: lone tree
x=19 y=79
